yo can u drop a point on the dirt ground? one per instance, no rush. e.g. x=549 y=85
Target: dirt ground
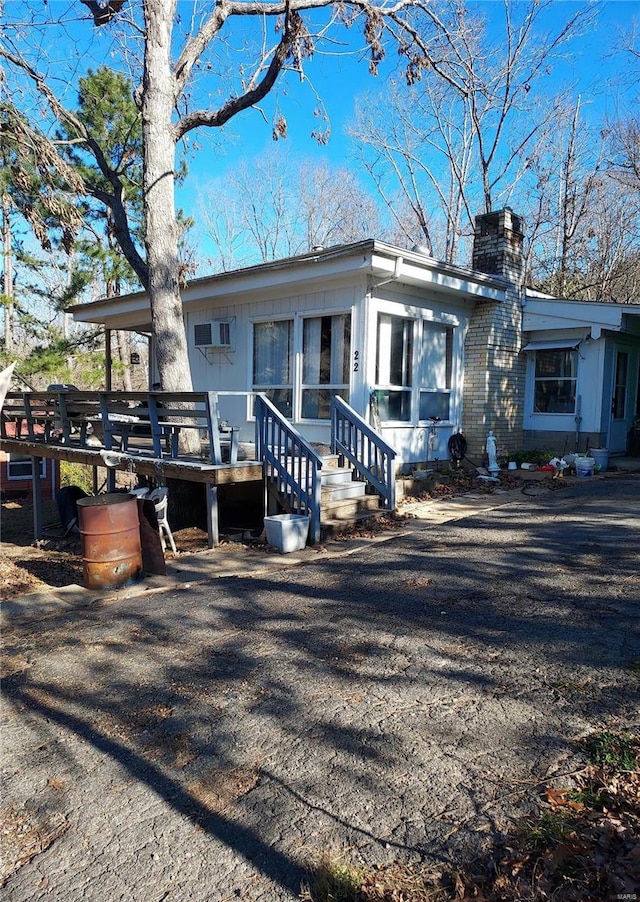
x=411 y=702
x=27 y=566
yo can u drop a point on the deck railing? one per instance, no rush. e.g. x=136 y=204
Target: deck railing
x=289 y=463
x=372 y=458
x=132 y=422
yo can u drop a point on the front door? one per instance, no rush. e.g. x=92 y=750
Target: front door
x=620 y=402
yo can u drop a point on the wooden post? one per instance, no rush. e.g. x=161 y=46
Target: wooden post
x=107 y=359
x=36 y=463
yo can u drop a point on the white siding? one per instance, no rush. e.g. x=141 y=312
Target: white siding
x=589 y=387
x=232 y=370
x=222 y=370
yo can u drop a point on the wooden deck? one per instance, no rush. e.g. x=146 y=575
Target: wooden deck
x=160 y=469
x=156 y=454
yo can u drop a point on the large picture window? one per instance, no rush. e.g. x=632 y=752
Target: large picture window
x=273 y=363
x=326 y=355
x=437 y=365
x=394 y=367
x=555 y=380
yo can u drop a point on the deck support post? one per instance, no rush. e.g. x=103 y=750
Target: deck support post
x=213 y=536
x=36 y=464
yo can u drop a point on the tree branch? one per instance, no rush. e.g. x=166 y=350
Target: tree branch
x=217 y=118
x=71 y=176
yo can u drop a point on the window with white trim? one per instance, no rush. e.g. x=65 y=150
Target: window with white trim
x=437 y=366
x=20 y=466
x=273 y=363
x=394 y=367
x=326 y=355
x=555 y=380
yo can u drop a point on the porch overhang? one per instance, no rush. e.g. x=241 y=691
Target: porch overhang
x=553 y=344
x=389 y=264
x=381 y=263
x=549 y=315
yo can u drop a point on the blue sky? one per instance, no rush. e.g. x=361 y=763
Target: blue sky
x=593 y=69
x=341 y=77
x=338 y=79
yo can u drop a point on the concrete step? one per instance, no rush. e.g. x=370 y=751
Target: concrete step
x=331 y=526
x=350 y=507
x=336 y=476
x=329 y=461
x=341 y=490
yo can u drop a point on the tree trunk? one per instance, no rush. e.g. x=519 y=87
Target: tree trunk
x=124 y=356
x=161 y=229
x=7 y=287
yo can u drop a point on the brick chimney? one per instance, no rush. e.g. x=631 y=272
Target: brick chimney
x=494 y=368
x=497 y=245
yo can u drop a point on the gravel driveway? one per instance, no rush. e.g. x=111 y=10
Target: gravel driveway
x=404 y=702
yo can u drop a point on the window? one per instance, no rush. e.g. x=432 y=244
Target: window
x=326 y=354
x=394 y=367
x=273 y=363
x=555 y=380
x=437 y=365
x=19 y=466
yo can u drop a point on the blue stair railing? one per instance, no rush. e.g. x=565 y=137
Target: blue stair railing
x=372 y=458
x=289 y=463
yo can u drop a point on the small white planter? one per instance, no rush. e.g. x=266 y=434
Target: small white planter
x=287 y=532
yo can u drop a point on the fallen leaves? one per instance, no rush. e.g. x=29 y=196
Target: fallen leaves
x=583 y=844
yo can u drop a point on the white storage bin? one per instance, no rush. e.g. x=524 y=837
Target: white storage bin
x=287 y=532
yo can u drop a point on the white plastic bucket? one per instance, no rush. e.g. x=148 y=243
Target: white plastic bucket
x=287 y=532
x=601 y=457
x=585 y=467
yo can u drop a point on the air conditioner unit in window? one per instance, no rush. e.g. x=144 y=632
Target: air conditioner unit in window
x=216 y=334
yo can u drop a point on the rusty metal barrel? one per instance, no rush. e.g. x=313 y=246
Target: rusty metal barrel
x=111 y=547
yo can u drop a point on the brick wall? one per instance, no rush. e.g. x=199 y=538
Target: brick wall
x=494 y=367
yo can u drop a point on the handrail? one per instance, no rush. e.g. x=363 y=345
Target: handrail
x=290 y=462
x=352 y=437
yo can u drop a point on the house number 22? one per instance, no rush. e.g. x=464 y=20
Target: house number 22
x=356 y=361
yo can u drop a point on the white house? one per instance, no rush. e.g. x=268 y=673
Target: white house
x=414 y=345
x=582 y=373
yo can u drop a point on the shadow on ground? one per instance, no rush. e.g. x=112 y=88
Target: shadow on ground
x=404 y=702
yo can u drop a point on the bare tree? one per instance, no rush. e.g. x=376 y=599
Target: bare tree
x=404 y=155
x=586 y=197
x=567 y=176
x=173 y=104
x=274 y=206
x=452 y=145
x=586 y=233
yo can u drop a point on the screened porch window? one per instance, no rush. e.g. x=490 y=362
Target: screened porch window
x=326 y=355
x=273 y=363
x=394 y=367
x=555 y=380
x=437 y=365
